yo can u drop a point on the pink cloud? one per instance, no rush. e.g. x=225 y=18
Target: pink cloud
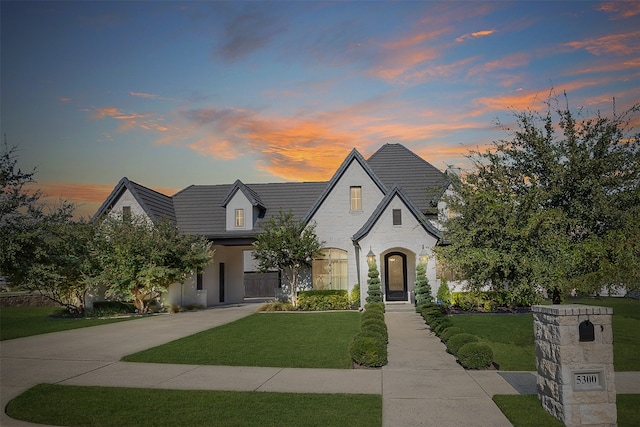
x=620 y=9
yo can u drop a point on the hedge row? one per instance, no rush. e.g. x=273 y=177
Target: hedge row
x=470 y=353
x=326 y=299
x=369 y=346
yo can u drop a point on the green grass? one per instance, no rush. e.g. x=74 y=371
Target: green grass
x=17 y=322
x=511 y=335
x=626 y=330
x=105 y=406
x=526 y=411
x=294 y=340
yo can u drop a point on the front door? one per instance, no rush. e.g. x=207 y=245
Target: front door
x=395 y=275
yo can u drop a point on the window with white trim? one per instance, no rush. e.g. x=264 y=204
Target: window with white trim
x=329 y=270
x=239 y=217
x=356 y=198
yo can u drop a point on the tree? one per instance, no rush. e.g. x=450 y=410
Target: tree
x=287 y=245
x=556 y=206
x=422 y=287
x=444 y=293
x=139 y=259
x=374 y=292
x=43 y=249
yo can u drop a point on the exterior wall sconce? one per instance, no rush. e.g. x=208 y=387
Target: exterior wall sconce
x=423 y=256
x=371 y=257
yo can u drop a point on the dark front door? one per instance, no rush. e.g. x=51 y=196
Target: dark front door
x=395 y=276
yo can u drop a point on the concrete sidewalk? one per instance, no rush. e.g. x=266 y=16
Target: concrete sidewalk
x=421 y=385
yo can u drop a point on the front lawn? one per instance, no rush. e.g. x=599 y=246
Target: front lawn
x=292 y=340
x=104 y=406
x=511 y=335
x=17 y=322
x=526 y=410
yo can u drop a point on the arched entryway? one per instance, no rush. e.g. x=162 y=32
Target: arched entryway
x=395 y=276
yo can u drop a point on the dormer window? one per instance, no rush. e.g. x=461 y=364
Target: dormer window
x=239 y=218
x=356 y=198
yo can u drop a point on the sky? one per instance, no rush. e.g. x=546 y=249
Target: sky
x=171 y=94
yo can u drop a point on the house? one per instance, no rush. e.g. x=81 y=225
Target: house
x=385 y=206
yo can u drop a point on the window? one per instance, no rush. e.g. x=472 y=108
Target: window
x=356 y=198
x=329 y=270
x=239 y=217
x=444 y=272
x=397 y=217
x=126 y=213
x=199 y=281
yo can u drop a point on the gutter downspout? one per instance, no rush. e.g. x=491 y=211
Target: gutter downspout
x=356 y=245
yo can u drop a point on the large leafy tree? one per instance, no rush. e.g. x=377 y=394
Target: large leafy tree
x=556 y=206
x=42 y=248
x=287 y=245
x=140 y=259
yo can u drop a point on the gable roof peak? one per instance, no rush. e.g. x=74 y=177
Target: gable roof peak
x=354 y=155
x=249 y=193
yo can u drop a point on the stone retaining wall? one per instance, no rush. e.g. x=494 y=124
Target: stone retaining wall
x=25 y=300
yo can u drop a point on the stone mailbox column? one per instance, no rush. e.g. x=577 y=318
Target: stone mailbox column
x=574 y=358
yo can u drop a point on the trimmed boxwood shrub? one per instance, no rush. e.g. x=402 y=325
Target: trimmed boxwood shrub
x=458 y=340
x=368 y=351
x=325 y=299
x=376 y=326
x=366 y=315
x=441 y=326
x=475 y=355
x=112 y=307
x=449 y=332
x=370 y=306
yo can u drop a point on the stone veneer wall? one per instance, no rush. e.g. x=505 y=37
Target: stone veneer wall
x=559 y=353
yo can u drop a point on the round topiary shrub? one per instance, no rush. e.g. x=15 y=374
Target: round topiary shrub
x=458 y=340
x=368 y=351
x=449 y=332
x=475 y=355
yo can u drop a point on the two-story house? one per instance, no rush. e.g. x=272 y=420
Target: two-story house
x=385 y=206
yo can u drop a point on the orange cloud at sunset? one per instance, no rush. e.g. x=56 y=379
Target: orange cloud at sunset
x=621 y=9
x=620 y=44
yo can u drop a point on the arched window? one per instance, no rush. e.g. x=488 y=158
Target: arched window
x=329 y=270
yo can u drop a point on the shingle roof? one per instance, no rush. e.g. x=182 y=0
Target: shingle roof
x=421 y=182
x=199 y=208
x=155 y=204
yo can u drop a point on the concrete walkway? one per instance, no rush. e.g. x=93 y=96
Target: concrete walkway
x=421 y=385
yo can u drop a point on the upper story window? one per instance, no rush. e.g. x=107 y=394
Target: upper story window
x=239 y=217
x=397 y=217
x=356 y=198
x=126 y=213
